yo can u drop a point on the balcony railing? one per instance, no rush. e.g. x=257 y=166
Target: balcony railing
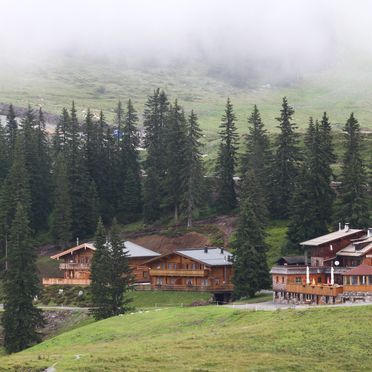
x=178 y=272
x=193 y=288
x=320 y=290
x=74 y=266
x=64 y=281
x=358 y=288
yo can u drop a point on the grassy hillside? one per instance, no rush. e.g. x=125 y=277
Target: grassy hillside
x=210 y=339
x=338 y=89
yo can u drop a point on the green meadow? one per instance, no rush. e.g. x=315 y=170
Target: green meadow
x=210 y=338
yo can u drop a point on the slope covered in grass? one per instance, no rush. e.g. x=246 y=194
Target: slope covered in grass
x=210 y=339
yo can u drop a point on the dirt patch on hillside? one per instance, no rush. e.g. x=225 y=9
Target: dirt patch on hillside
x=165 y=244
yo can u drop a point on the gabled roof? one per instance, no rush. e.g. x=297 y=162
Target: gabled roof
x=360 y=270
x=292 y=260
x=208 y=256
x=357 y=248
x=328 y=238
x=134 y=250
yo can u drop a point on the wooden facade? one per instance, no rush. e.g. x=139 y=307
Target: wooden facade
x=339 y=268
x=181 y=271
x=76 y=264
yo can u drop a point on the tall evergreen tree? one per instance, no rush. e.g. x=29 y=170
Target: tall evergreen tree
x=284 y=168
x=4 y=160
x=251 y=272
x=11 y=128
x=193 y=173
x=175 y=157
x=226 y=161
x=61 y=220
x=130 y=200
x=353 y=197
x=21 y=319
x=111 y=274
x=155 y=114
x=61 y=137
x=257 y=155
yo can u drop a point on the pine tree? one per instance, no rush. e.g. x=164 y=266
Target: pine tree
x=193 y=173
x=100 y=275
x=311 y=203
x=11 y=129
x=130 y=200
x=257 y=155
x=4 y=161
x=21 y=319
x=226 y=161
x=284 y=168
x=119 y=123
x=156 y=112
x=175 y=158
x=61 y=137
x=111 y=274
x=61 y=219
x=251 y=272
x=353 y=198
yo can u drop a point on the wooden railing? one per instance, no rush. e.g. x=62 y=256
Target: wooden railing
x=358 y=288
x=192 y=288
x=320 y=290
x=64 y=281
x=176 y=272
x=74 y=266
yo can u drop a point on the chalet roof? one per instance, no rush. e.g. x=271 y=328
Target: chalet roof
x=357 y=247
x=328 y=238
x=292 y=260
x=134 y=250
x=360 y=270
x=208 y=256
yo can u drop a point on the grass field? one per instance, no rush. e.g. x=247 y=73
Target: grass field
x=338 y=89
x=210 y=339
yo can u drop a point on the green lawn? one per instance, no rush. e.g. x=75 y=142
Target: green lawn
x=210 y=339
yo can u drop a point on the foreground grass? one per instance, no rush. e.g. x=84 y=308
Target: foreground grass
x=210 y=339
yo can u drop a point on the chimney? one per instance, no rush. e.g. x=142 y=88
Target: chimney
x=369 y=232
x=347 y=227
x=205 y=249
x=77 y=241
x=221 y=250
x=339 y=226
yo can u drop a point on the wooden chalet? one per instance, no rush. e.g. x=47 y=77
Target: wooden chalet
x=336 y=267
x=77 y=262
x=199 y=269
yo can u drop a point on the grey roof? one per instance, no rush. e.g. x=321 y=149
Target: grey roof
x=292 y=260
x=358 y=247
x=330 y=237
x=135 y=250
x=214 y=257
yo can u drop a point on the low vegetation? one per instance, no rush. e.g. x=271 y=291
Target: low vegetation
x=210 y=339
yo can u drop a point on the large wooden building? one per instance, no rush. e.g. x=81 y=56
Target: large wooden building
x=77 y=262
x=335 y=267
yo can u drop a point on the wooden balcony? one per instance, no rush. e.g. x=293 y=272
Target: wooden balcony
x=178 y=272
x=74 y=266
x=64 y=281
x=358 y=288
x=205 y=288
x=319 y=290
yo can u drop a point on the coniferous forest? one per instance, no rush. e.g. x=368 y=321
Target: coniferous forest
x=91 y=168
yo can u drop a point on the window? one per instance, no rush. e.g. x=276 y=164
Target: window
x=277 y=279
x=370 y=279
x=347 y=280
x=170 y=266
x=298 y=280
x=319 y=279
x=282 y=279
x=204 y=282
x=145 y=274
x=159 y=280
x=354 y=280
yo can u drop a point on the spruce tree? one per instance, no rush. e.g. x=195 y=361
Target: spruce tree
x=251 y=272
x=155 y=114
x=257 y=155
x=11 y=129
x=21 y=319
x=62 y=133
x=100 y=275
x=226 y=161
x=175 y=158
x=352 y=203
x=130 y=201
x=111 y=274
x=193 y=173
x=284 y=167
x=4 y=160
x=61 y=219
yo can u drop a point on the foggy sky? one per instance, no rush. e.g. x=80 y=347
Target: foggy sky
x=290 y=33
